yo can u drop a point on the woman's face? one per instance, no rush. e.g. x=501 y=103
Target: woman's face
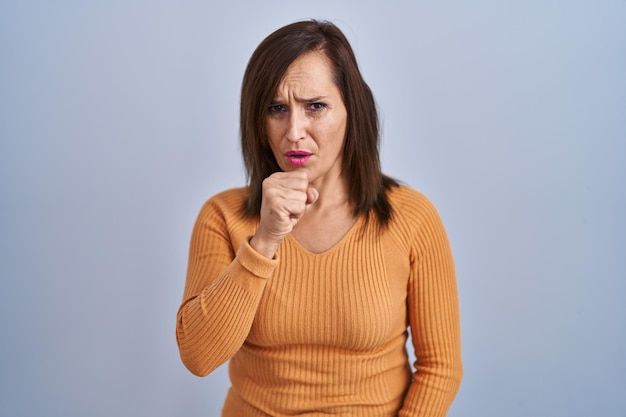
x=306 y=122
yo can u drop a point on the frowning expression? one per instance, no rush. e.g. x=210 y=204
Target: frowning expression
x=306 y=122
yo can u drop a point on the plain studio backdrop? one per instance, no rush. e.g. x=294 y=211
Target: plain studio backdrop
x=119 y=119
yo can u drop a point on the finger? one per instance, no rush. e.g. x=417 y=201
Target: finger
x=290 y=174
x=294 y=180
x=277 y=195
x=311 y=195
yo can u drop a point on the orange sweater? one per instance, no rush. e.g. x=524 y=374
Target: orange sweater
x=324 y=334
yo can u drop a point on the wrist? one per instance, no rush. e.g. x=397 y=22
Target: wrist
x=264 y=246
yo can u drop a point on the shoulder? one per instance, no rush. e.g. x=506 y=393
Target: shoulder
x=231 y=199
x=414 y=215
x=226 y=204
x=408 y=202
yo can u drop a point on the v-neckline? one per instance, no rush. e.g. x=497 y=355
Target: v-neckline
x=356 y=225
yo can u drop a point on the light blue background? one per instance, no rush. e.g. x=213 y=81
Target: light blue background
x=119 y=118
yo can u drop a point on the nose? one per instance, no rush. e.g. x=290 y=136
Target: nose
x=296 y=128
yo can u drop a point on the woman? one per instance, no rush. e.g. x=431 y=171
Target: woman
x=309 y=278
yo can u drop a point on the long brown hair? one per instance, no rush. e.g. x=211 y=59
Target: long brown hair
x=367 y=185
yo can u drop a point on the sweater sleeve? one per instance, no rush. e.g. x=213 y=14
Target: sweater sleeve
x=222 y=293
x=433 y=310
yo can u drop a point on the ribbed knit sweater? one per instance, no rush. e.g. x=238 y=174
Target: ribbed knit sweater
x=325 y=334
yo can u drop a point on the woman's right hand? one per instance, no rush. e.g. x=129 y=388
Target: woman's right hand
x=284 y=201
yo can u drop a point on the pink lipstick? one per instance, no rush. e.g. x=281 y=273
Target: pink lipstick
x=298 y=157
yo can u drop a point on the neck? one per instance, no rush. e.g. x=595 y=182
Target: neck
x=333 y=194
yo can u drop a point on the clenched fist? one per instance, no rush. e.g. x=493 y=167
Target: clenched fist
x=285 y=197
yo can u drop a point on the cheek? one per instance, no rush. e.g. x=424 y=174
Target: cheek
x=341 y=121
x=272 y=135
x=339 y=131
x=275 y=150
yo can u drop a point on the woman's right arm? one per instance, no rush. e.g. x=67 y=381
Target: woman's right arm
x=223 y=288
x=221 y=296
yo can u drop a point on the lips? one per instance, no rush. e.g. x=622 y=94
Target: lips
x=298 y=157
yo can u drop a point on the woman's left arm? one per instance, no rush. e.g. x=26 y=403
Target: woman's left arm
x=433 y=310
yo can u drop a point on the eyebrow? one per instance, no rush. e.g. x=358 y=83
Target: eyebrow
x=303 y=100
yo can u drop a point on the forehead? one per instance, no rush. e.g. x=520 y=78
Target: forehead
x=310 y=71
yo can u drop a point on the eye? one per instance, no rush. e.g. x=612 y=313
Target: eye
x=277 y=108
x=317 y=106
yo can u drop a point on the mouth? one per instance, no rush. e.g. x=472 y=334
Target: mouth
x=298 y=157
